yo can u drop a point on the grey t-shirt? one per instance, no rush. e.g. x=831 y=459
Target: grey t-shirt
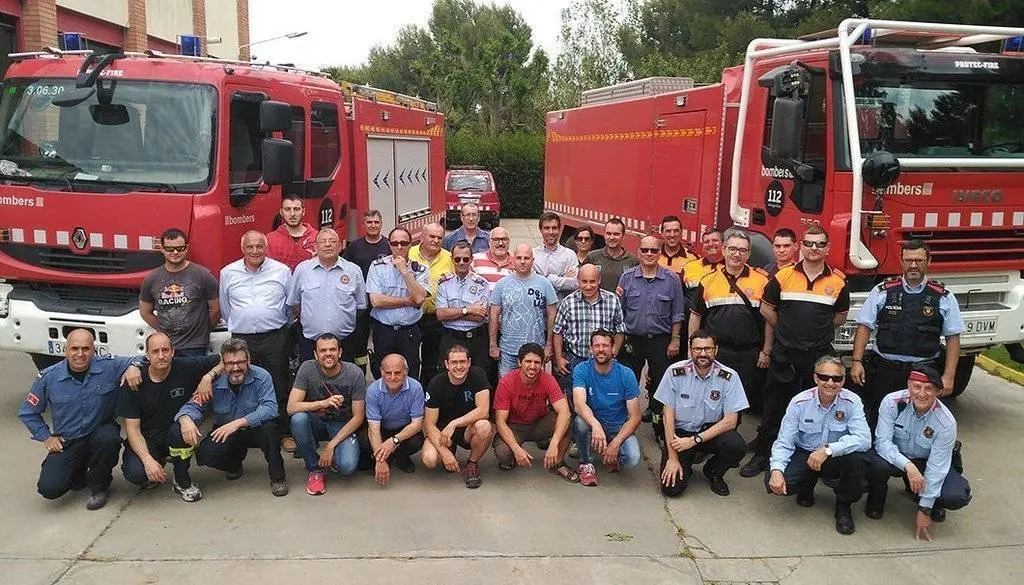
x=180 y=300
x=350 y=383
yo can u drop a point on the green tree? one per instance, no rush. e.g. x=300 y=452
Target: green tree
x=590 y=56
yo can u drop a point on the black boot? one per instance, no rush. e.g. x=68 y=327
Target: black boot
x=844 y=518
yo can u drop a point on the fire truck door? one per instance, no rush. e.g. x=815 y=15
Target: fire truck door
x=380 y=162
x=412 y=192
x=676 y=166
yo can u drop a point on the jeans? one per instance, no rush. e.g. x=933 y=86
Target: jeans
x=629 y=452
x=506 y=363
x=85 y=462
x=308 y=430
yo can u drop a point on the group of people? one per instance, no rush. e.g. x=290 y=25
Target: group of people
x=454 y=318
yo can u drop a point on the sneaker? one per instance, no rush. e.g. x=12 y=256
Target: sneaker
x=588 y=475
x=233 y=475
x=757 y=465
x=189 y=494
x=574 y=452
x=288 y=445
x=315 y=485
x=279 y=488
x=405 y=465
x=97 y=500
x=612 y=467
x=471 y=475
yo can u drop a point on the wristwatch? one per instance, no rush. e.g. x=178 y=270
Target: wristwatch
x=828 y=451
x=465 y=311
x=697 y=439
x=396 y=440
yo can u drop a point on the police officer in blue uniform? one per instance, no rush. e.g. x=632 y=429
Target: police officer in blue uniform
x=462 y=309
x=702 y=400
x=397 y=289
x=83 y=445
x=908 y=314
x=824 y=435
x=915 y=439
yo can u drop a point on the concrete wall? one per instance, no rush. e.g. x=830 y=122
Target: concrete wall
x=166 y=19
x=115 y=11
x=222 y=21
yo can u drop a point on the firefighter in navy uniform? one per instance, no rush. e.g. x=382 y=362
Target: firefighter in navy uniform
x=908 y=314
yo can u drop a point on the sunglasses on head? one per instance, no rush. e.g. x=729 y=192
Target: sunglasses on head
x=818 y=245
x=828 y=378
x=175 y=248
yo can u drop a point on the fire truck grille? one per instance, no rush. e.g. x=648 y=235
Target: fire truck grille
x=95 y=262
x=82 y=300
x=976 y=246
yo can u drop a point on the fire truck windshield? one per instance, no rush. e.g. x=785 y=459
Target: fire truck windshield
x=968 y=117
x=467 y=182
x=128 y=135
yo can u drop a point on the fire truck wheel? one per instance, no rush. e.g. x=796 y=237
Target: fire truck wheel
x=43 y=361
x=964 y=368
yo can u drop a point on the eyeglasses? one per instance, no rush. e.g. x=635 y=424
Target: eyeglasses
x=582 y=238
x=649 y=250
x=465 y=260
x=914 y=261
x=735 y=250
x=818 y=245
x=703 y=349
x=499 y=239
x=175 y=248
x=827 y=378
x=400 y=244
x=330 y=241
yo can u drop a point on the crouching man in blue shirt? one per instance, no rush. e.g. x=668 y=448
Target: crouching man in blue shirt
x=244 y=409
x=914 y=439
x=81 y=394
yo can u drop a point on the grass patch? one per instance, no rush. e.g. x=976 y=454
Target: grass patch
x=999 y=355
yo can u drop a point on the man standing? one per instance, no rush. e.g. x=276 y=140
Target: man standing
x=521 y=415
x=607 y=404
x=703 y=400
x=253 y=301
x=654 y=310
x=167 y=384
x=458 y=403
x=495 y=263
x=438 y=261
x=583 y=312
x=81 y=394
x=554 y=261
x=326 y=293
x=293 y=241
x=394 y=413
x=362 y=252
x=462 y=309
x=909 y=314
x=613 y=259
x=803 y=304
x=245 y=413
x=698 y=268
x=398 y=289
x=327 y=403
x=674 y=254
x=914 y=439
x=824 y=434
x=183 y=295
x=523 y=307
x=469 y=231
x=784 y=247
x=727 y=302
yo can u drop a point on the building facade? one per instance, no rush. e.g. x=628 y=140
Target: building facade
x=126 y=25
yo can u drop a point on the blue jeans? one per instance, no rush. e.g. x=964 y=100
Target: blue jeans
x=629 y=452
x=565 y=380
x=506 y=363
x=309 y=429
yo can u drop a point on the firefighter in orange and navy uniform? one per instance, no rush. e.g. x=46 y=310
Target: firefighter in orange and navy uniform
x=694 y=270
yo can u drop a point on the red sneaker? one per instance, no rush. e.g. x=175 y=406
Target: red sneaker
x=612 y=467
x=315 y=484
x=588 y=475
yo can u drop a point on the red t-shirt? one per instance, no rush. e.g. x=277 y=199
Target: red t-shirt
x=526 y=404
x=281 y=246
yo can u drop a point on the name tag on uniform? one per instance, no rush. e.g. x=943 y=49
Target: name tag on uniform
x=810 y=420
x=684 y=395
x=898 y=426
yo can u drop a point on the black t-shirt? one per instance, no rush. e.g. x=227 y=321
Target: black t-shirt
x=156 y=403
x=363 y=253
x=455 y=400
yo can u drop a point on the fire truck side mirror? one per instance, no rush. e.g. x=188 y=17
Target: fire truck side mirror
x=880 y=169
x=278 y=161
x=275 y=117
x=787 y=129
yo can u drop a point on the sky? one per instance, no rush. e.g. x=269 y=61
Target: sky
x=341 y=32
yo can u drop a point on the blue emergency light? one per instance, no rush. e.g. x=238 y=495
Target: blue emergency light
x=72 y=41
x=867 y=38
x=191 y=46
x=1013 y=45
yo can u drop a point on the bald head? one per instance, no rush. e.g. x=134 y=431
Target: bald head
x=649 y=259
x=523 y=260
x=590 y=281
x=79 y=349
x=394 y=370
x=431 y=238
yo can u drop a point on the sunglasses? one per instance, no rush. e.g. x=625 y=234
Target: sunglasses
x=466 y=260
x=175 y=248
x=649 y=250
x=400 y=244
x=582 y=238
x=827 y=378
x=818 y=245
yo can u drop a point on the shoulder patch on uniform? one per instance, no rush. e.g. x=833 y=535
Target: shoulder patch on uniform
x=725 y=374
x=680 y=371
x=892 y=282
x=32 y=400
x=446 y=276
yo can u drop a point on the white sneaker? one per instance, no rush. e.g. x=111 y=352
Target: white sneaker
x=189 y=494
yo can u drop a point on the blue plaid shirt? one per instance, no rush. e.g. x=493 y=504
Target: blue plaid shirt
x=577 y=318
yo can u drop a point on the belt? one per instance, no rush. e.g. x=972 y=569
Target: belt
x=475 y=332
x=899 y=364
x=397 y=327
x=260 y=334
x=650 y=335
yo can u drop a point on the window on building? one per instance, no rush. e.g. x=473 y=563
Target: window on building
x=325 y=140
x=245 y=162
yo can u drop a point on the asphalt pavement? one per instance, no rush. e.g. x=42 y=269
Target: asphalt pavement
x=524 y=526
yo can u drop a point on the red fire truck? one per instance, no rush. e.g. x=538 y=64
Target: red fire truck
x=100 y=154
x=878 y=131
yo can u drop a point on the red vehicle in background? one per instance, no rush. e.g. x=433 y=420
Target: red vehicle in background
x=878 y=132
x=99 y=155
x=470 y=184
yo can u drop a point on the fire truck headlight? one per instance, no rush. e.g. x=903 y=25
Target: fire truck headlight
x=5 y=299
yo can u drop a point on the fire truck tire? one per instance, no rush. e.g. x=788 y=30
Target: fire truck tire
x=964 y=368
x=43 y=361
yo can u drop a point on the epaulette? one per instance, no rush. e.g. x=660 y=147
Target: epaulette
x=445 y=276
x=725 y=374
x=380 y=261
x=839 y=273
x=892 y=282
x=760 y=271
x=806 y=395
x=937 y=286
x=477 y=278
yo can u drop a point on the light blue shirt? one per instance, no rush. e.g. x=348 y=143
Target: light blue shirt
x=697 y=401
x=454 y=292
x=901 y=435
x=385 y=279
x=329 y=298
x=394 y=410
x=255 y=400
x=480 y=243
x=524 y=304
x=808 y=425
x=952 y=321
x=254 y=302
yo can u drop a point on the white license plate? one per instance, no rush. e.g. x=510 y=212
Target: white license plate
x=59 y=348
x=980 y=326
